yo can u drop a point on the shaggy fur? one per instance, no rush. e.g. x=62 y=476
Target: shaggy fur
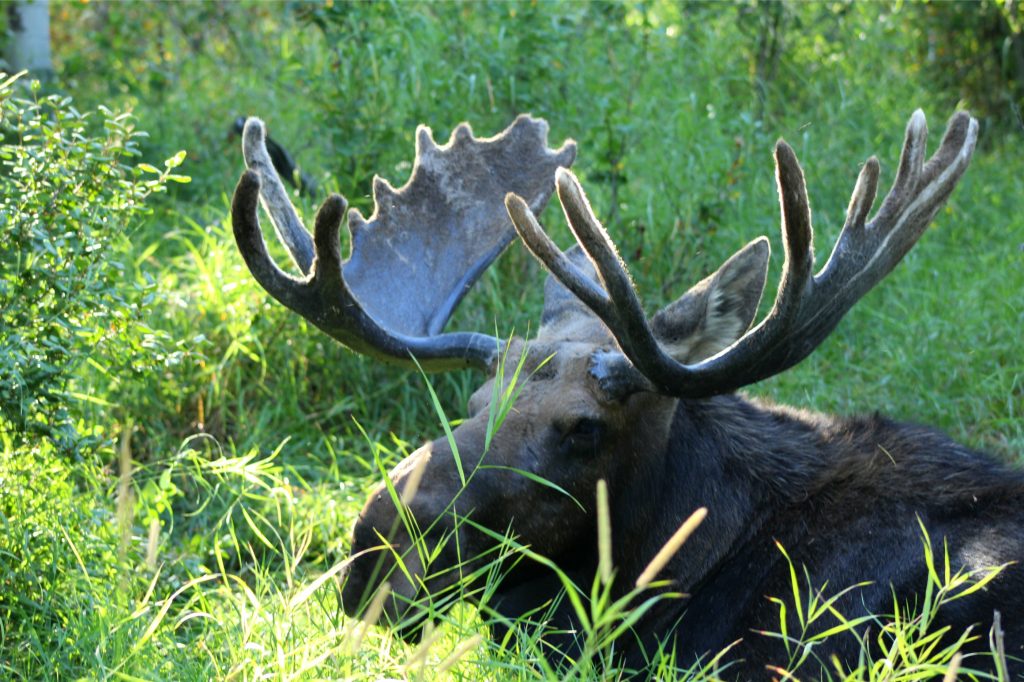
x=846 y=498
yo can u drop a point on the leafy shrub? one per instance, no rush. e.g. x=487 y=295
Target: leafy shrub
x=67 y=194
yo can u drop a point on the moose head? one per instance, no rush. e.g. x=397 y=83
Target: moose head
x=602 y=392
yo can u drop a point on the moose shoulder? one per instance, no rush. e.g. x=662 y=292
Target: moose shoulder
x=648 y=406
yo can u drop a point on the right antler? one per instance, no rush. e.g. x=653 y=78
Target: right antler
x=807 y=308
x=419 y=253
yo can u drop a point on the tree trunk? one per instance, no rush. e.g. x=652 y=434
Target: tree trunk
x=28 y=23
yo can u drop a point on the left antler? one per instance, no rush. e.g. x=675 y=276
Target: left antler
x=807 y=308
x=418 y=254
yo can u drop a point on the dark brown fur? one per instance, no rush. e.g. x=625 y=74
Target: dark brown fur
x=846 y=498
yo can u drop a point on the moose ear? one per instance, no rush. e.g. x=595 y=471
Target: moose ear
x=718 y=310
x=559 y=302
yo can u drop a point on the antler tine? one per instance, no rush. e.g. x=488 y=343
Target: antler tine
x=552 y=258
x=807 y=307
x=909 y=213
x=620 y=308
x=591 y=235
x=775 y=344
x=865 y=253
x=326 y=242
x=249 y=238
x=863 y=197
x=624 y=315
x=797 y=234
x=275 y=199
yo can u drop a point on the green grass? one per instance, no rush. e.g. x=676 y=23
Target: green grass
x=254 y=437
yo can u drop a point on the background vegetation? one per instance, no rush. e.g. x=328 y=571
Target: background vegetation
x=182 y=459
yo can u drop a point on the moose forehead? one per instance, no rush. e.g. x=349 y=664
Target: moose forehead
x=557 y=361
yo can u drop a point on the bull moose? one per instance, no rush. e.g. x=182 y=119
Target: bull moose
x=648 y=406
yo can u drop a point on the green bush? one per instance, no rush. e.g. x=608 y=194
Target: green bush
x=69 y=196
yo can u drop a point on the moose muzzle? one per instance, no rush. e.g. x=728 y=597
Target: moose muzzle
x=402 y=533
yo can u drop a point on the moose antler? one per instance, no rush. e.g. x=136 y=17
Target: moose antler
x=417 y=255
x=807 y=308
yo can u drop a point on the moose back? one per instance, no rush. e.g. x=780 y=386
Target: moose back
x=648 y=405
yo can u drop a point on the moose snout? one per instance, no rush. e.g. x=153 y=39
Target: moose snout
x=373 y=567
x=411 y=535
x=381 y=540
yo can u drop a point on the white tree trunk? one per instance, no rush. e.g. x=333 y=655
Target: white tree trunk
x=28 y=24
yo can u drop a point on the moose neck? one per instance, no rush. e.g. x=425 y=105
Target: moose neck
x=730 y=454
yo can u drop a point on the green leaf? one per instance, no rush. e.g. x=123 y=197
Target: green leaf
x=175 y=160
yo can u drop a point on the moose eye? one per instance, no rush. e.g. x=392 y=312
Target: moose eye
x=583 y=437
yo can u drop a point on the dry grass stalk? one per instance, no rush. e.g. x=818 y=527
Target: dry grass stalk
x=431 y=635
x=604 y=533
x=670 y=548
x=152 y=544
x=412 y=486
x=370 y=617
x=125 y=499
x=954 y=668
x=459 y=652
